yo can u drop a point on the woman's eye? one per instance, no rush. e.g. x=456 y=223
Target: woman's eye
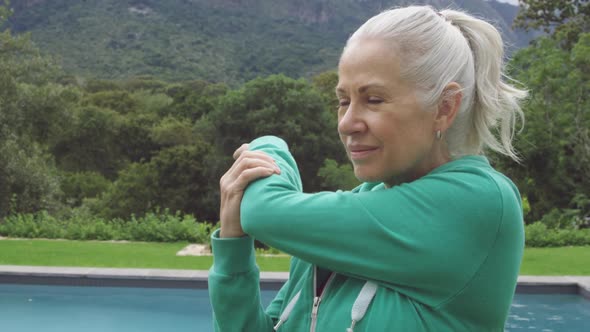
x=343 y=102
x=374 y=100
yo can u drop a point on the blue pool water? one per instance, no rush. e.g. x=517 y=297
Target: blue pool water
x=25 y=308
x=549 y=313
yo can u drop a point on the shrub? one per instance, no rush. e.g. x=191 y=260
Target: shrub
x=538 y=235
x=167 y=227
x=153 y=227
x=562 y=219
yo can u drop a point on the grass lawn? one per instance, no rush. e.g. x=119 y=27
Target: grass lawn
x=537 y=261
x=107 y=254
x=556 y=261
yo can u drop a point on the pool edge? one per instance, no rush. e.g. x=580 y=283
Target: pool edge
x=160 y=278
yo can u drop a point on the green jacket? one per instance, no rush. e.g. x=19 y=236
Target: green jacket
x=444 y=251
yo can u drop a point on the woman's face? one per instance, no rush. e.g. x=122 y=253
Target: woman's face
x=388 y=135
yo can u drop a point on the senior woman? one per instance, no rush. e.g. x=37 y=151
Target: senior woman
x=433 y=238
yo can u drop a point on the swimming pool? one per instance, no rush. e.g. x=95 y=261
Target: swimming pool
x=31 y=308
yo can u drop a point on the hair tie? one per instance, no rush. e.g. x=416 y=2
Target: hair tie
x=443 y=17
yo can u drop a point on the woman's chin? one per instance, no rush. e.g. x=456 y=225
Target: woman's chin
x=367 y=176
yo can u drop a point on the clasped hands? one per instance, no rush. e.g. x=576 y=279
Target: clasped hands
x=247 y=167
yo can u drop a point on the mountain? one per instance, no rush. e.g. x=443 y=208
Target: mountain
x=215 y=40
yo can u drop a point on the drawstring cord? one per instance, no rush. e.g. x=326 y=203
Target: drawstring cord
x=287 y=312
x=361 y=304
x=359 y=308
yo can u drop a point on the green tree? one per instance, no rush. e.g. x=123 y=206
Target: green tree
x=134 y=192
x=134 y=138
x=336 y=176
x=556 y=141
x=91 y=144
x=326 y=84
x=195 y=99
x=78 y=186
x=120 y=101
x=30 y=113
x=281 y=106
x=567 y=17
x=4 y=11
x=177 y=179
x=28 y=179
x=171 y=131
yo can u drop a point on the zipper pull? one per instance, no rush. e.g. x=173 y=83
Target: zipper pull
x=316 y=304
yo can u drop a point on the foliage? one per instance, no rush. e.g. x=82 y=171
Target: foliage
x=326 y=84
x=270 y=251
x=171 y=131
x=336 y=176
x=216 y=41
x=555 y=144
x=152 y=103
x=120 y=101
x=29 y=180
x=278 y=105
x=571 y=219
x=153 y=227
x=28 y=177
x=90 y=142
x=539 y=235
x=78 y=186
x=176 y=179
x=566 y=17
x=548 y=14
x=195 y=99
x=132 y=193
x=4 y=11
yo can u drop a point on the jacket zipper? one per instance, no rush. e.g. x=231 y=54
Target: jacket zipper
x=317 y=297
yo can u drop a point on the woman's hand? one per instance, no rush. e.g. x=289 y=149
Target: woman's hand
x=248 y=166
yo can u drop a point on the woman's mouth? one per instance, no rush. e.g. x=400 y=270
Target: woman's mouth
x=361 y=152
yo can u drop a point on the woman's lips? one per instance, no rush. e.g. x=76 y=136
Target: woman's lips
x=357 y=153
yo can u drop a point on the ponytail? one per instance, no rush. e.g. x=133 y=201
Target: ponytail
x=496 y=104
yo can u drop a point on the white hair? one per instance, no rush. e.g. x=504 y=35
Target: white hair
x=437 y=48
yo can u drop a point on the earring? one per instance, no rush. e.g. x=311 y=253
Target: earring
x=438 y=135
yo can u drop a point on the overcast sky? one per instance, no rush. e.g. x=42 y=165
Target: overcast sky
x=512 y=2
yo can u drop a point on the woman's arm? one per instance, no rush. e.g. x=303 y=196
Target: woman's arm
x=426 y=239
x=234 y=278
x=234 y=288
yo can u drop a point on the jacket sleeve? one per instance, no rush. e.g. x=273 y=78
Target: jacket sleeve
x=398 y=237
x=234 y=288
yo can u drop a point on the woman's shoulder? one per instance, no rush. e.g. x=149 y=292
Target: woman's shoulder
x=479 y=169
x=472 y=180
x=475 y=169
x=467 y=187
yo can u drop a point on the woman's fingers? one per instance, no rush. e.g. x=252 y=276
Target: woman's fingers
x=249 y=159
x=249 y=167
x=252 y=174
x=255 y=155
x=240 y=150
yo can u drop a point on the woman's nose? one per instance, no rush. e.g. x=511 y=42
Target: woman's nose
x=351 y=122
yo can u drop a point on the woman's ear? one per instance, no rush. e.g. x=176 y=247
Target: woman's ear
x=448 y=106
